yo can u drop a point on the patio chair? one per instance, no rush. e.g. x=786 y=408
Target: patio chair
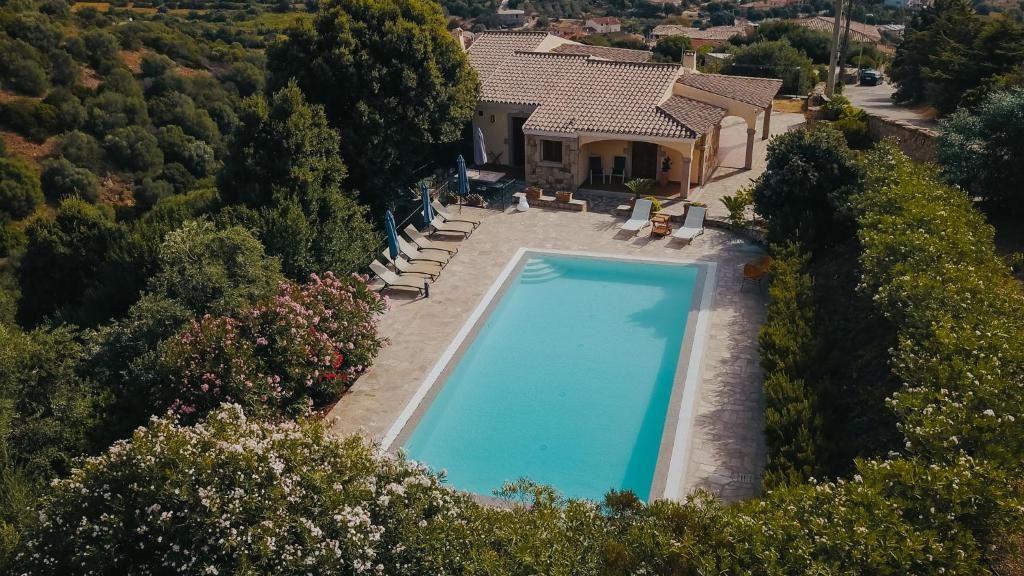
x=448 y=217
x=618 y=169
x=451 y=227
x=597 y=167
x=415 y=255
x=641 y=217
x=424 y=243
x=693 y=226
x=392 y=280
x=430 y=269
x=755 y=272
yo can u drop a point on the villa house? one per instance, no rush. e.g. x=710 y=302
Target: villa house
x=699 y=38
x=604 y=24
x=548 y=105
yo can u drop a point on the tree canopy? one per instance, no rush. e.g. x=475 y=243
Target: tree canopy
x=392 y=80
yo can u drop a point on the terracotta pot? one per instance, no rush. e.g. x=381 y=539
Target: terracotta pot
x=533 y=193
x=563 y=196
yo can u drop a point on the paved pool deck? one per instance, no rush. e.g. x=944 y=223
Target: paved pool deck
x=726 y=454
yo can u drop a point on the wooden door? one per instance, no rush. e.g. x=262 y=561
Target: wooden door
x=645 y=160
x=518 y=140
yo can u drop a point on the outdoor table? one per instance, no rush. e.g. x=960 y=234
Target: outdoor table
x=490 y=181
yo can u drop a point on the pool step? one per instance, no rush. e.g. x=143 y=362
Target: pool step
x=538 y=271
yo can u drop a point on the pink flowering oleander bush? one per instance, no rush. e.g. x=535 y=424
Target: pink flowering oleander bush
x=299 y=349
x=234 y=495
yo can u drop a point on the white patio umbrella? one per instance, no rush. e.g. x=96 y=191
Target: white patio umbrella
x=479 y=148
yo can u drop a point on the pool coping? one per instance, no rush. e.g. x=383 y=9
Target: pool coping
x=668 y=478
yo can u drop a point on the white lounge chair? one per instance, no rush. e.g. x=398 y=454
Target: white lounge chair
x=449 y=227
x=641 y=217
x=424 y=243
x=429 y=269
x=448 y=217
x=693 y=226
x=414 y=254
x=392 y=280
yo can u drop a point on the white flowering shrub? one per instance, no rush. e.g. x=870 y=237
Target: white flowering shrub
x=232 y=495
x=929 y=262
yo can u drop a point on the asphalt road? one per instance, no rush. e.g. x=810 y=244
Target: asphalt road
x=877 y=100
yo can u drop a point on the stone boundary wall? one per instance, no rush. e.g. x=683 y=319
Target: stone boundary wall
x=916 y=142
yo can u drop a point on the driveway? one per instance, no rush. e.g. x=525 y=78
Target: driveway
x=878 y=100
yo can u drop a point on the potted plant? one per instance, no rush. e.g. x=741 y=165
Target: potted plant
x=533 y=192
x=639 y=187
x=666 y=167
x=563 y=196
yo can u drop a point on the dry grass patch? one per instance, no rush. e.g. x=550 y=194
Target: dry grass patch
x=33 y=153
x=794 y=105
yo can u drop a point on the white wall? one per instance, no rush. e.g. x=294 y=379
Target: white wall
x=497 y=138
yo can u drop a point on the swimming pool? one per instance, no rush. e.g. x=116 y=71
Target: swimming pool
x=571 y=373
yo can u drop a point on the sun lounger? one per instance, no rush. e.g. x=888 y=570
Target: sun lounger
x=392 y=280
x=448 y=217
x=424 y=243
x=449 y=227
x=431 y=269
x=414 y=254
x=641 y=217
x=693 y=226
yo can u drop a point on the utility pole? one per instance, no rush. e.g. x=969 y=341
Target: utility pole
x=830 y=85
x=846 y=42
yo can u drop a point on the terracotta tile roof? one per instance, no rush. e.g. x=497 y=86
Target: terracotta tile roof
x=699 y=116
x=604 y=20
x=755 y=91
x=490 y=49
x=575 y=94
x=713 y=33
x=605 y=52
x=859 y=32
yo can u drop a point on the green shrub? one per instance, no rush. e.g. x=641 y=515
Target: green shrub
x=70 y=114
x=20 y=193
x=930 y=265
x=737 y=205
x=787 y=346
x=854 y=127
x=21 y=68
x=192 y=153
x=81 y=149
x=30 y=118
x=61 y=179
x=135 y=149
x=804 y=192
x=149 y=191
x=12 y=238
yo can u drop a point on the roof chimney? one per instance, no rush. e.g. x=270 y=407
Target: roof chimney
x=690 y=60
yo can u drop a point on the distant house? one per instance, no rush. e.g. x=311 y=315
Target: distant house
x=604 y=24
x=554 y=108
x=714 y=36
x=511 y=18
x=567 y=28
x=859 y=32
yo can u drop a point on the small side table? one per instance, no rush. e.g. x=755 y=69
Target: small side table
x=660 y=225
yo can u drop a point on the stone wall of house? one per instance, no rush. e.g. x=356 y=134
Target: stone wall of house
x=916 y=142
x=550 y=176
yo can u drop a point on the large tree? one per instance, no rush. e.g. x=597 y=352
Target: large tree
x=777 y=59
x=284 y=174
x=950 y=55
x=392 y=80
x=982 y=150
x=806 y=187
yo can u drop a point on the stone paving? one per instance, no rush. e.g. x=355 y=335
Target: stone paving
x=727 y=453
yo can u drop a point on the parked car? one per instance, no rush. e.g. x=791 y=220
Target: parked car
x=870 y=78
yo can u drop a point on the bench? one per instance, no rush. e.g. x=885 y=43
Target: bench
x=552 y=202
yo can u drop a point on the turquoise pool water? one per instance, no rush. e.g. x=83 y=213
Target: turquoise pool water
x=567 y=382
